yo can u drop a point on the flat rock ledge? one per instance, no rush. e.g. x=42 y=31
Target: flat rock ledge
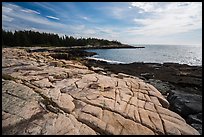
x=43 y=95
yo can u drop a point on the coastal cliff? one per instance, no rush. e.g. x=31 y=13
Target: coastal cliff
x=44 y=95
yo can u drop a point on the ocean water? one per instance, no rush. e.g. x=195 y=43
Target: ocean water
x=191 y=55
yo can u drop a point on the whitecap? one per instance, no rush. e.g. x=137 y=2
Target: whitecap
x=108 y=61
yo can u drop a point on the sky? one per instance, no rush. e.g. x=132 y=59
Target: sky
x=170 y=23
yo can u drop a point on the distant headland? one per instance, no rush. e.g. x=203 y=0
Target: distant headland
x=37 y=39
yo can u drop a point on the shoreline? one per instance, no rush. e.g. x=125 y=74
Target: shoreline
x=49 y=70
x=119 y=62
x=190 y=76
x=180 y=84
x=80 y=47
x=174 y=73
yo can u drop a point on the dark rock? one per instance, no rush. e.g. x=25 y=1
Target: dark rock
x=147 y=75
x=189 y=106
x=185 y=104
x=70 y=54
x=197 y=127
x=194 y=107
x=194 y=119
x=181 y=83
x=37 y=50
x=163 y=87
x=189 y=78
x=60 y=55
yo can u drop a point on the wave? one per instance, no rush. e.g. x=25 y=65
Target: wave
x=118 y=62
x=108 y=61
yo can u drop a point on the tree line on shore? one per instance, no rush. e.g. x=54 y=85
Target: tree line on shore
x=33 y=38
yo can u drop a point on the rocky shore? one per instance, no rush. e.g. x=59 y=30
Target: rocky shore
x=106 y=46
x=45 y=95
x=181 y=84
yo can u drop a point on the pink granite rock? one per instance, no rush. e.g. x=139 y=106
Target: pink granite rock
x=70 y=99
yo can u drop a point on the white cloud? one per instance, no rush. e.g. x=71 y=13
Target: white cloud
x=15 y=12
x=25 y=21
x=6 y=9
x=6 y=18
x=118 y=12
x=85 y=18
x=45 y=5
x=52 y=17
x=145 y=6
x=172 y=18
x=115 y=11
x=30 y=11
x=142 y=23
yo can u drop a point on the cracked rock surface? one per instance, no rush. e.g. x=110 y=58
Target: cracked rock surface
x=43 y=95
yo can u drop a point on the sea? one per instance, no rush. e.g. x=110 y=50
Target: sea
x=191 y=55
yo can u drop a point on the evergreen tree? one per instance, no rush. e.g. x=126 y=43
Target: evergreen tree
x=32 y=38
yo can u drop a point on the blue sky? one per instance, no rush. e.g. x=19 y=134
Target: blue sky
x=177 y=23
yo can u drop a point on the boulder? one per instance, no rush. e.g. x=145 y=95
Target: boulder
x=189 y=106
x=185 y=104
x=163 y=87
x=197 y=127
x=197 y=118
